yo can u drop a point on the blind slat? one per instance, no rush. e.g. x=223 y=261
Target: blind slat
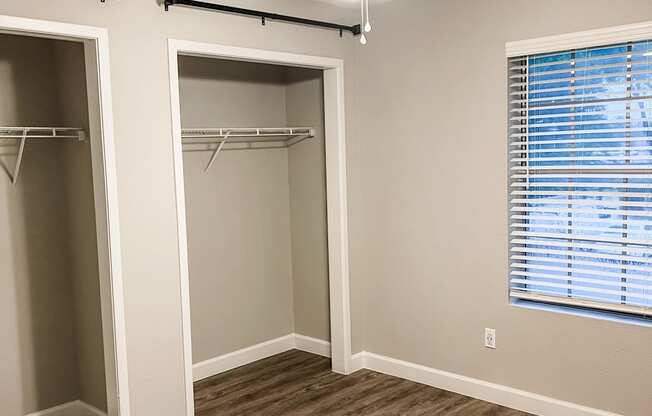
x=535 y=280
x=521 y=142
x=577 y=229
x=621 y=264
x=569 y=271
x=605 y=185
x=631 y=250
x=582 y=211
x=573 y=253
x=614 y=148
x=575 y=279
x=612 y=194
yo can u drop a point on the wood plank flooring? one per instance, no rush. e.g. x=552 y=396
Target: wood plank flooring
x=297 y=383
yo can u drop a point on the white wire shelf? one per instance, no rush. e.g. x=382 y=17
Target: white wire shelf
x=17 y=133
x=241 y=138
x=255 y=138
x=15 y=138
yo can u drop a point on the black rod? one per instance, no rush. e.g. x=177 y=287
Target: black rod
x=355 y=29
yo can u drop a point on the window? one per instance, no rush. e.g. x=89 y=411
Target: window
x=580 y=151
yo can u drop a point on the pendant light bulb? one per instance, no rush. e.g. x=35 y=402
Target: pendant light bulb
x=367 y=26
x=363 y=38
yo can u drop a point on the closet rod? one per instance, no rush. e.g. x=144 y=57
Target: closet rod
x=355 y=29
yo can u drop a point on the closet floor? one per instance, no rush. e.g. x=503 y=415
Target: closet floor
x=297 y=383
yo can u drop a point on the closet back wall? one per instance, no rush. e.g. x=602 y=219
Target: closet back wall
x=36 y=293
x=257 y=238
x=238 y=213
x=52 y=336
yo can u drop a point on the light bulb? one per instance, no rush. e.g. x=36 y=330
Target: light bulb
x=367 y=26
x=363 y=38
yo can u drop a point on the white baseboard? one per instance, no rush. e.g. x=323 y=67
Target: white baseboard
x=86 y=409
x=479 y=389
x=312 y=345
x=257 y=352
x=491 y=392
x=76 y=408
x=241 y=357
x=357 y=362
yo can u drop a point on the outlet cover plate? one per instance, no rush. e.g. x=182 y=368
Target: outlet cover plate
x=490 y=338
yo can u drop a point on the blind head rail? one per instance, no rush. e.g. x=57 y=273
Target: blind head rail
x=355 y=29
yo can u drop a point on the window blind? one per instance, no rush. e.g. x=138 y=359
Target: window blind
x=580 y=151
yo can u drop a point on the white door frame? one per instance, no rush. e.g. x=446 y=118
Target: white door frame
x=96 y=50
x=338 y=243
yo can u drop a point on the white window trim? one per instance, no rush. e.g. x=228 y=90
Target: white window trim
x=585 y=39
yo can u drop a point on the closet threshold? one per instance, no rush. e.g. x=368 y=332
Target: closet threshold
x=13 y=137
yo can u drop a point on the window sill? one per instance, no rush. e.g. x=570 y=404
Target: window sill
x=587 y=313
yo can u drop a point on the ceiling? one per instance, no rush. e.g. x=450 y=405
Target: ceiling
x=351 y=3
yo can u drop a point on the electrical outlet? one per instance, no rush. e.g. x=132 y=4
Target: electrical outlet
x=490 y=338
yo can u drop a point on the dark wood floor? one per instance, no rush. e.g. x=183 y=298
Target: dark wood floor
x=296 y=383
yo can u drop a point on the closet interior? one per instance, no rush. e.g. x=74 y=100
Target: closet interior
x=255 y=190
x=52 y=350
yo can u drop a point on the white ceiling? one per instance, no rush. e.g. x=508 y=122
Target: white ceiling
x=351 y=3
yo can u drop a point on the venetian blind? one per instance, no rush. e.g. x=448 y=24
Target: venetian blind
x=580 y=147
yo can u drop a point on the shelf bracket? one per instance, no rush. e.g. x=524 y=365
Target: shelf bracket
x=19 y=158
x=217 y=151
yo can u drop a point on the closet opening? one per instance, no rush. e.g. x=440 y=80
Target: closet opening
x=63 y=341
x=261 y=203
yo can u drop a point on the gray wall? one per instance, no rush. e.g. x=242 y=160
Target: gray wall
x=38 y=368
x=305 y=107
x=238 y=213
x=256 y=221
x=406 y=266
x=429 y=211
x=138 y=34
x=48 y=268
x=82 y=236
